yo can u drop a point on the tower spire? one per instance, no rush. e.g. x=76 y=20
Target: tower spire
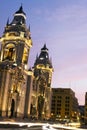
x=20 y=11
x=29 y=27
x=7 y=22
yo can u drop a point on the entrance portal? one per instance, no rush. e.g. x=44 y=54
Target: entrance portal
x=12 y=107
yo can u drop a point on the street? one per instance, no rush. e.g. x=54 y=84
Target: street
x=34 y=126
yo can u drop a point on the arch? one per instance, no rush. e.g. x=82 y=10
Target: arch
x=9 y=52
x=12 y=107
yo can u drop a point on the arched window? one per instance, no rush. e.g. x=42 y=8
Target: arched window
x=9 y=52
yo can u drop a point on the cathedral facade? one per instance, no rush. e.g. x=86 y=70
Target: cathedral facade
x=23 y=92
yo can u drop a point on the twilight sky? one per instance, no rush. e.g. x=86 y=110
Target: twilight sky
x=62 y=25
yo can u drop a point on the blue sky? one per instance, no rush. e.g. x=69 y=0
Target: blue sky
x=62 y=25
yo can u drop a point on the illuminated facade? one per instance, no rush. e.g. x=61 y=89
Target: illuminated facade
x=15 y=78
x=64 y=105
x=23 y=92
x=41 y=98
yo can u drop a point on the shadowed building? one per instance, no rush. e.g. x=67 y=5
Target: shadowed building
x=82 y=112
x=64 y=105
x=85 y=112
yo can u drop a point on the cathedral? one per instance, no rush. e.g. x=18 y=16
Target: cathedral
x=24 y=92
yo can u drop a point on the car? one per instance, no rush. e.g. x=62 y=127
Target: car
x=48 y=127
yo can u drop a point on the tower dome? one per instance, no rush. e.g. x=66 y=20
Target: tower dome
x=19 y=16
x=43 y=58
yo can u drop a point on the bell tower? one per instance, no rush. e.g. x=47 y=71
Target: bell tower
x=42 y=83
x=16 y=40
x=15 y=48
